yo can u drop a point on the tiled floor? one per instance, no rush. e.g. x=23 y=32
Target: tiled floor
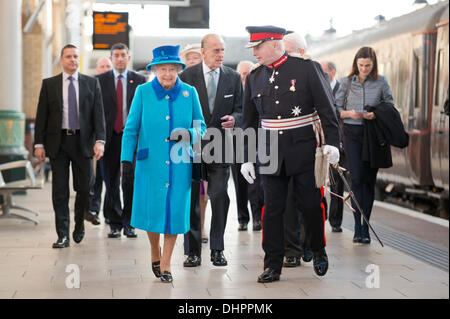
x=120 y=268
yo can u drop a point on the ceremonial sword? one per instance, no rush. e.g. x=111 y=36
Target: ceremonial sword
x=341 y=174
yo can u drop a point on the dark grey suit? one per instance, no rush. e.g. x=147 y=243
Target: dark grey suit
x=118 y=217
x=65 y=150
x=228 y=102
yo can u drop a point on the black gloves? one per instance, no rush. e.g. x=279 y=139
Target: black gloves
x=127 y=168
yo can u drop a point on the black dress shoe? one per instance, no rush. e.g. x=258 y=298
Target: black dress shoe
x=365 y=240
x=115 y=233
x=336 y=229
x=192 y=261
x=166 y=277
x=78 y=236
x=61 y=242
x=356 y=239
x=307 y=255
x=242 y=227
x=156 y=268
x=320 y=262
x=204 y=240
x=269 y=275
x=129 y=232
x=292 y=261
x=92 y=217
x=257 y=226
x=217 y=258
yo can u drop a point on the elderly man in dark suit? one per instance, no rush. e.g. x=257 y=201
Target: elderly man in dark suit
x=70 y=129
x=337 y=186
x=220 y=92
x=118 y=87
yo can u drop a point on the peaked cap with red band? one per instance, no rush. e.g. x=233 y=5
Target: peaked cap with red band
x=264 y=33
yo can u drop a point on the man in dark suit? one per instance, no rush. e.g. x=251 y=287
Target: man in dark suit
x=220 y=92
x=337 y=185
x=70 y=129
x=118 y=87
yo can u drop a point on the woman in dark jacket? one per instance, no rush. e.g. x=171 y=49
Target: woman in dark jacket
x=362 y=88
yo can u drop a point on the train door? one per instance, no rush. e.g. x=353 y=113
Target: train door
x=440 y=122
x=419 y=114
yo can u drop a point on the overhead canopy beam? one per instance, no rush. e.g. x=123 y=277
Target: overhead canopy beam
x=32 y=20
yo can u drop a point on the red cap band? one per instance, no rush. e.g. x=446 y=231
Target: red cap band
x=264 y=36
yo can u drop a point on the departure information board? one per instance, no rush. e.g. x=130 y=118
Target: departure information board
x=109 y=28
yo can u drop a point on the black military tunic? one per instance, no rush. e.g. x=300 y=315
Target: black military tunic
x=289 y=88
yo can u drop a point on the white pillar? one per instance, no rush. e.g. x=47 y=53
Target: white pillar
x=11 y=55
x=12 y=119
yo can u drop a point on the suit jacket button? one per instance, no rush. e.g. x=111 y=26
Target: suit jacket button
x=259 y=94
x=276 y=87
x=279 y=117
x=277 y=102
x=280 y=132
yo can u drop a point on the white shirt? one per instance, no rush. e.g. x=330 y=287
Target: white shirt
x=206 y=74
x=333 y=83
x=65 y=91
x=124 y=95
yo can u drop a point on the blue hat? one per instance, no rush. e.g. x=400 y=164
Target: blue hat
x=166 y=54
x=259 y=34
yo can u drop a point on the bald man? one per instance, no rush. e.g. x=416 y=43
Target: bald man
x=103 y=65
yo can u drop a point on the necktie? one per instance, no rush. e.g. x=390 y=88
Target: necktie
x=118 y=124
x=73 y=111
x=212 y=90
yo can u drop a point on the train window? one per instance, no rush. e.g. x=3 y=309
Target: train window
x=401 y=84
x=438 y=73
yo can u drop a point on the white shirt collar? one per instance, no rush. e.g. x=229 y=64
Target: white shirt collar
x=206 y=69
x=116 y=74
x=333 y=83
x=66 y=76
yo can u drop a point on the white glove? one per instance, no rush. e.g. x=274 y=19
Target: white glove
x=332 y=153
x=248 y=171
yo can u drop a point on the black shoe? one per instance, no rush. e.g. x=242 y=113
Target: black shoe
x=192 y=261
x=292 y=261
x=115 y=233
x=129 y=232
x=257 y=226
x=307 y=255
x=320 y=262
x=336 y=229
x=92 y=217
x=166 y=277
x=204 y=240
x=78 y=232
x=365 y=240
x=78 y=236
x=356 y=240
x=269 y=275
x=156 y=268
x=61 y=242
x=242 y=227
x=217 y=258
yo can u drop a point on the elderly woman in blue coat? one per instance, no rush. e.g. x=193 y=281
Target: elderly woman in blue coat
x=164 y=122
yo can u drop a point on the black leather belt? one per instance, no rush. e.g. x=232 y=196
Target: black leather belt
x=70 y=132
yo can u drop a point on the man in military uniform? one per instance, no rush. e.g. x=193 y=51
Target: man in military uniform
x=289 y=95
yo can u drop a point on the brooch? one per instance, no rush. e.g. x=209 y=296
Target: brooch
x=185 y=93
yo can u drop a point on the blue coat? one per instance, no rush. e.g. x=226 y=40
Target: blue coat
x=162 y=184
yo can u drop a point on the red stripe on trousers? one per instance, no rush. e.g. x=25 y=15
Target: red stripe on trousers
x=323 y=214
